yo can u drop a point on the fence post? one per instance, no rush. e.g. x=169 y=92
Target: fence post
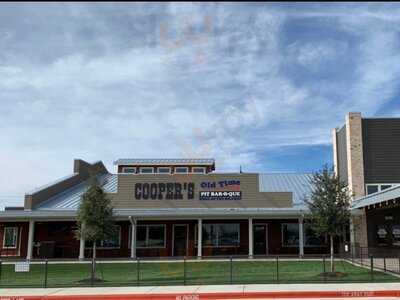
x=137 y=271
x=277 y=269
x=399 y=268
x=184 y=270
x=92 y=272
x=324 y=268
x=45 y=272
x=384 y=263
x=372 y=268
x=231 y=270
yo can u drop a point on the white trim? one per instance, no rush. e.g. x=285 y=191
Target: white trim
x=146 y=168
x=147 y=235
x=187 y=170
x=15 y=237
x=173 y=237
x=168 y=173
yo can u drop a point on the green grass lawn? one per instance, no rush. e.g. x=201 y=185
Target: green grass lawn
x=172 y=273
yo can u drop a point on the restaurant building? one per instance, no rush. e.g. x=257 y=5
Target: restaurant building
x=166 y=208
x=367 y=157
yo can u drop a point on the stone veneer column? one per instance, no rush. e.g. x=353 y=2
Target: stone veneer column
x=355 y=168
x=355 y=161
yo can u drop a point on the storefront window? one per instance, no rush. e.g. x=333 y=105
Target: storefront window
x=382 y=235
x=311 y=238
x=10 y=237
x=221 y=235
x=396 y=235
x=290 y=234
x=150 y=236
x=113 y=242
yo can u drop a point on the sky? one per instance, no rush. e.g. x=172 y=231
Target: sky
x=252 y=85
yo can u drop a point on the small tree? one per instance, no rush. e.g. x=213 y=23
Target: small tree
x=95 y=217
x=329 y=205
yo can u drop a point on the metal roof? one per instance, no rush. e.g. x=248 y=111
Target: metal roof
x=378 y=197
x=70 y=198
x=297 y=183
x=165 y=161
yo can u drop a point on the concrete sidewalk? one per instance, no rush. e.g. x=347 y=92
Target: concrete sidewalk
x=264 y=291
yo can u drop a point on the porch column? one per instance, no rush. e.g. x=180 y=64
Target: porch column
x=251 y=237
x=133 y=238
x=301 y=237
x=199 y=237
x=81 y=249
x=30 y=239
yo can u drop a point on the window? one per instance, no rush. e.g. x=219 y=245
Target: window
x=113 y=242
x=150 y=236
x=290 y=234
x=310 y=238
x=181 y=170
x=221 y=235
x=129 y=170
x=385 y=186
x=198 y=170
x=164 y=170
x=372 y=188
x=10 y=237
x=146 y=170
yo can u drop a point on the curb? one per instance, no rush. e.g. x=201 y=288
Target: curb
x=218 y=296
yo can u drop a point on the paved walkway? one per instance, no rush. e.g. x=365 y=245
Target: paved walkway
x=212 y=292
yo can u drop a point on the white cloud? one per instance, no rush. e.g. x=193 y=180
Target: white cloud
x=172 y=80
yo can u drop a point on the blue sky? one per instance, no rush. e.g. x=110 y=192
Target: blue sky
x=257 y=85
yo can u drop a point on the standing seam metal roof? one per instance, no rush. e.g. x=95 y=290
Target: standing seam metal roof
x=70 y=198
x=297 y=183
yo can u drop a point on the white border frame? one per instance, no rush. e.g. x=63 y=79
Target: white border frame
x=173 y=237
x=15 y=228
x=147 y=235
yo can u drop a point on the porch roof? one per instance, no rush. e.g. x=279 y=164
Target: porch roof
x=378 y=197
x=161 y=213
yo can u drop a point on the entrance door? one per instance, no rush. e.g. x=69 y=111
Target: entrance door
x=260 y=239
x=180 y=240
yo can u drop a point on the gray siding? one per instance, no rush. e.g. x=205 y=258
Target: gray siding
x=342 y=154
x=381 y=147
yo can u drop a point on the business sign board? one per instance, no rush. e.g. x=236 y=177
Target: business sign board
x=208 y=190
x=220 y=190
